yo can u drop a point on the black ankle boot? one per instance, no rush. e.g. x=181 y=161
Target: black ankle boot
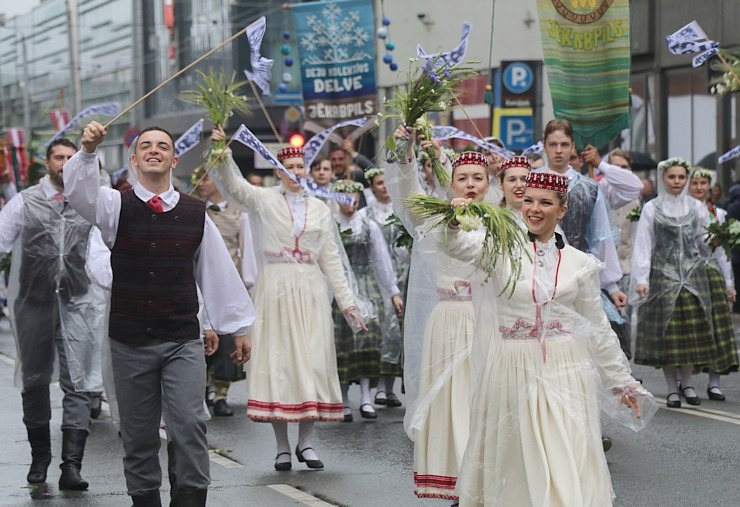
x=73 y=447
x=191 y=497
x=40 y=441
x=148 y=499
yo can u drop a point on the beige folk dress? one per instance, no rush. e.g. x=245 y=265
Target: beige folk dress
x=292 y=375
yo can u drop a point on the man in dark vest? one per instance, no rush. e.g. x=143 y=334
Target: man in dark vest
x=161 y=244
x=52 y=306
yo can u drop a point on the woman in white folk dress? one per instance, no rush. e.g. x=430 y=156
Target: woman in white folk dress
x=543 y=355
x=438 y=327
x=293 y=373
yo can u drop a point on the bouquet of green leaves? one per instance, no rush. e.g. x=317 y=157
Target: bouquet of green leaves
x=729 y=79
x=634 y=214
x=726 y=235
x=219 y=95
x=429 y=88
x=404 y=239
x=504 y=236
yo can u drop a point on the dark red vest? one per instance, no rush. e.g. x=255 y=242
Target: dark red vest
x=153 y=294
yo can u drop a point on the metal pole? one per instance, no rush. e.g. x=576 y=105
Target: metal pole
x=74 y=53
x=26 y=91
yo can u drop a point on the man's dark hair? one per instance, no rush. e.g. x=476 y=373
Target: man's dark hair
x=59 y=142
x=149 y=129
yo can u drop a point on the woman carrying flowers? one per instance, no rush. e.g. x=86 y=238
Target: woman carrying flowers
x=721 y=284
x=438 y=326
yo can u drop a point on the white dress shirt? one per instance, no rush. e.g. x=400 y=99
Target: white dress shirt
x=228 y=305
x=620 y=186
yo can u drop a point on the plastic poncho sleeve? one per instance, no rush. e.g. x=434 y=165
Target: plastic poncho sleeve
x=382 y=263
x=11 y=223
x=331 y=264
x=607 y=356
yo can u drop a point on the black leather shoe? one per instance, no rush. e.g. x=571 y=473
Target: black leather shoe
x=691 y=400
x=222 y=409
x=310 y=463
x=380 y=400
x=606 y=442
x=283 y=466
x=348 y=415
x=675 y=403
x=391 y=400
x=713 y=393
x=368 y=414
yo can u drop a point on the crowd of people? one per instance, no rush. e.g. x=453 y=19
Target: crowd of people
x=164 y=298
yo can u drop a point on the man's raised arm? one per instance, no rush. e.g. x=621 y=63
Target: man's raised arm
x=100 y=206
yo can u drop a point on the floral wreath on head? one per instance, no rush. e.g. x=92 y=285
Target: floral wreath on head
x=373 y=172
x=702 y=172
x=665 y=164
x=347 y=187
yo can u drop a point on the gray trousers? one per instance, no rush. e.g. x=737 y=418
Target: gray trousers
x=148 y=378
x=38 y=341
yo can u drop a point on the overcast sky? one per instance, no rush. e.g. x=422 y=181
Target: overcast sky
x=12 y=8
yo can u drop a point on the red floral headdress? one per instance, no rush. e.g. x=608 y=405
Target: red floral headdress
x=470 y=158
x=548 y=181
x=290 y=152
x=517 y=161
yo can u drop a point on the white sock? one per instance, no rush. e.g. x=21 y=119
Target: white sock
x=305 y=430
x=280 y=428
x=365 y=393
x=670 y=378
x=714 y=380
x=686 y=371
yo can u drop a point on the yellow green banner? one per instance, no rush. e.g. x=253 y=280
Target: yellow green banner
x=587 y=56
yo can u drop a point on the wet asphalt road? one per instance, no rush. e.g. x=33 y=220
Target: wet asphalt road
x=686 y=457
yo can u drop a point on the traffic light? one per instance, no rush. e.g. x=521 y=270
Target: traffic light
x=296 y=139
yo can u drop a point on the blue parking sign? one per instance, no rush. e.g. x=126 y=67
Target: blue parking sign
x=517 y=132
x=518 y=77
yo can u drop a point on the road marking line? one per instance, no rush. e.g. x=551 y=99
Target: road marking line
x=717 y=415
x=7 y=360
x=300 y=496
x=222 y=460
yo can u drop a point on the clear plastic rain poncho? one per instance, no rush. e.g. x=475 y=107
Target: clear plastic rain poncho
x=544 y=360
x=589 y=221
x=371 y=263
x=48 y=286
x=438 y=321
x=667 y=256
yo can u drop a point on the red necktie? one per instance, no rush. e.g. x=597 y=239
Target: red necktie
x=155 y=203
x=59 y=197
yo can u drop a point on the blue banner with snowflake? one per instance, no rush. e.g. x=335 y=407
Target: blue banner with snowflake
x=336 y=50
